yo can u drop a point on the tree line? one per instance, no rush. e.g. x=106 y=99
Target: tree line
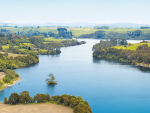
x=136 y=35
x=77 y=103
x=62 y=32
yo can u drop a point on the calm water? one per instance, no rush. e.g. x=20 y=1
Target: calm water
x=108 y=86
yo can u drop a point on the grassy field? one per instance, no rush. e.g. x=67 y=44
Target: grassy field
x=41 y=29
x=34 y=108
x=52 y=40
x=132 y=47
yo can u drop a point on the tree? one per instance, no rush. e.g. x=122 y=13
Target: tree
x=13 y=98
x=61 y=29
x=5 y=100
x=50 y=79
x=1 y=82
x=122 y=41
x=24 y=36
x=41 y=98
x=1 y=47
x=25 y=97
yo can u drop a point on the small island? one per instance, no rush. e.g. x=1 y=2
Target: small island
x=51 y=79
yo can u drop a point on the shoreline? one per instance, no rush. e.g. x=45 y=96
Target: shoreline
x=14 y=82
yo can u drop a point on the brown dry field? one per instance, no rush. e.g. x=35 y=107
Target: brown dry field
x=34 y=108
x=2 y=75
x=12 y=54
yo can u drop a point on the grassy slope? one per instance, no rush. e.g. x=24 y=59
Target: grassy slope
x=132 y=47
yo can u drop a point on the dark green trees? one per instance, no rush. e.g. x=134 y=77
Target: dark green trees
x=5 y=100
x=13 y=98
x=77 y=103
x=40 y=98
x=25 y=97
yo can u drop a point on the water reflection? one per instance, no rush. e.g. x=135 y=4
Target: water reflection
x=113 y=62
x=51 y=87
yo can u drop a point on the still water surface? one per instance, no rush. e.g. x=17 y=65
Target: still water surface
x=108 y=86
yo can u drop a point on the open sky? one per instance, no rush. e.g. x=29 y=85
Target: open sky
x=66 y=11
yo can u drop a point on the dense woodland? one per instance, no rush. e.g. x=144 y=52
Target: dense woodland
x=77 y=103
x=104 y=49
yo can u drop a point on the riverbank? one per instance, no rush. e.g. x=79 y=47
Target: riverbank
x=14 y=82
x=143 y=65
x=34 y=108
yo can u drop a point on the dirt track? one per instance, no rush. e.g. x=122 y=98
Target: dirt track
x=34 y=108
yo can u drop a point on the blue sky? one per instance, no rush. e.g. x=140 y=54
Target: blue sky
x=67 y=11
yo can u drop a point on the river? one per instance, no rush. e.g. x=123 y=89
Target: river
x=108 y=86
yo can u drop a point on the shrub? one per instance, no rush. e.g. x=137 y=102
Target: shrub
x=5 y=100
x=6 y=80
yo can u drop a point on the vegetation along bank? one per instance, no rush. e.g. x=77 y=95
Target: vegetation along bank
x=136 y=54
x=76 y=103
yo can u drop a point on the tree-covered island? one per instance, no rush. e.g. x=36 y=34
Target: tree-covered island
x=51 y=79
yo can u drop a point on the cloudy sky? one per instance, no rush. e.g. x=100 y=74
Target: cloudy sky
x=66 y=11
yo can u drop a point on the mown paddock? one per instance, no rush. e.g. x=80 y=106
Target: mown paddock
x=34 y=108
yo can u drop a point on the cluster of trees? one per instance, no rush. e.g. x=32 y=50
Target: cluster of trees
x=108 y=43
x=137 y=35
x=77 y=103
x=144 y=27
x=26 y=45
x=10 y=76
x=52 y=47
x=62 y=32
x=102 y=27
x=96 y=35
x=141 y=55
x=8 y=62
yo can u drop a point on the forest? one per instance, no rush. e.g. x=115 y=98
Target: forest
x=77 y=103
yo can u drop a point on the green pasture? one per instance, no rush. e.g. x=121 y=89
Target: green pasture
x=132 y=47
x=75 y=31
x=51 y=40
x=41 y=29
x=5 y=47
